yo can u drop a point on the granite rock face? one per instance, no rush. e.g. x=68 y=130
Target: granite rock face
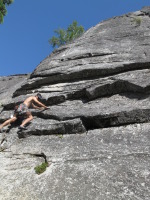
x=96 y=133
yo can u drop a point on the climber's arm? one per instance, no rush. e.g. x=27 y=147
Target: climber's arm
x=39 y=103
x=37 y=107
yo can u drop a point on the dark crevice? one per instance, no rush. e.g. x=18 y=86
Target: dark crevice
x=91 y=124
x=41 y=155
x=106 y=123
x=120 y=119
x=48 y=75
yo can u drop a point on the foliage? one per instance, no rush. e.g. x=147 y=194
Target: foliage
x=64 y=36
x=3 y=11
x=41 y=168
x=137 y=20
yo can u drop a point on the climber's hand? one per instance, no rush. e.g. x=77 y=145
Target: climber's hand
x=44 y=108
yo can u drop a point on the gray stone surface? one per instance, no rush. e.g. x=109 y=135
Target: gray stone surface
x=110 y=163
x=8 y=85
x=95 y=134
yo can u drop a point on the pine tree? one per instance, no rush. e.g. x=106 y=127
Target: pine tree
x=64 y=36
x=3 y=11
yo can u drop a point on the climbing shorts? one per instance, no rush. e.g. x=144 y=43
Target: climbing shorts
x=22 y=109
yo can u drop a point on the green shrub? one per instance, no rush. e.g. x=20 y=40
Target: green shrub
x=137 y=20
x=41 y=168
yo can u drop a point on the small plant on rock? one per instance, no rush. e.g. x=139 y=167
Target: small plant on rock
x=137 y=21
x=41 y=168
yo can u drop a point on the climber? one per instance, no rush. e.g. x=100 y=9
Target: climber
x=23 y=111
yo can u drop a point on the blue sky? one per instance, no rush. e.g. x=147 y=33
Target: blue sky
x=30 y=23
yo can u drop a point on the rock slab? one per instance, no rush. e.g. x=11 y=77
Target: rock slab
x=95 y=134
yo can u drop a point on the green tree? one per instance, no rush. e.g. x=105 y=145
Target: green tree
x=3 y=11
x=64 y=36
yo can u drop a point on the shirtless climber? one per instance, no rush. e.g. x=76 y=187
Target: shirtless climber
x=23 y=110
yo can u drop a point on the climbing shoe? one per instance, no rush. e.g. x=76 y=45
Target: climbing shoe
x=22 y=128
